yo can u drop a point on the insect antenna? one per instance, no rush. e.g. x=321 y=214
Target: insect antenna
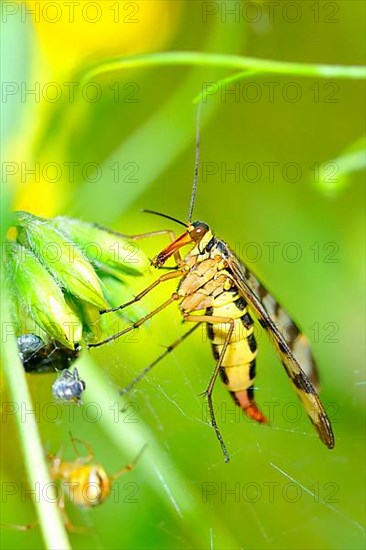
x=165 y=216
x=196 y=163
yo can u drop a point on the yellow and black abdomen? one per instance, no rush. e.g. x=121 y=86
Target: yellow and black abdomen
x=238 y=364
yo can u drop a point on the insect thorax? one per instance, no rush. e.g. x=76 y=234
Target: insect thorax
x=207 y=247
x=207 y=276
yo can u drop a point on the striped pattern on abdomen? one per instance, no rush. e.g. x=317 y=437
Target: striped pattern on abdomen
x=238 y=364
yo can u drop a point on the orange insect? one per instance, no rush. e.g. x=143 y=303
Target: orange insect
x=84 y=482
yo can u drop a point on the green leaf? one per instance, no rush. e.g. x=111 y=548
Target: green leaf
x=334 y=175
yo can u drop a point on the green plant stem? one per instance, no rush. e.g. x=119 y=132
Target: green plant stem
x=227 y=62
x=50 y=521
x=202 y=96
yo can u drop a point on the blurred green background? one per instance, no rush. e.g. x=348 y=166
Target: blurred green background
x=277 y=132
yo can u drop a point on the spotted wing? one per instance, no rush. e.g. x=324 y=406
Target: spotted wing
x=296 y=341
x=247 y=287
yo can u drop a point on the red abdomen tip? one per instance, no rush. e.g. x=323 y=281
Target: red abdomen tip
x=245 y=402
x=255 y=414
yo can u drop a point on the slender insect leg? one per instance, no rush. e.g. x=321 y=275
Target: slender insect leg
x=168 y=350
x=214 y=320
x=129 y=467
x=175 y=296
x=161 y=279
x=19 y=527
x=147 y=235
x=65 y=518
x=87 y=445
x=69 y=526
x=138 y=235
x=169 y=268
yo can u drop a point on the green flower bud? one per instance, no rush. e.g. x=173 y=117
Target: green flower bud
x=62 y=258
x=90 y=316
x=34 y=290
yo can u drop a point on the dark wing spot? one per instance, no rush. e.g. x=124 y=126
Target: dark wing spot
x=262 y=292
x=292 y=332
x=282 y=347
x=303 y=383
x=263 y=323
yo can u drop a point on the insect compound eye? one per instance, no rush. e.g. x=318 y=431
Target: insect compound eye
x=198 y=231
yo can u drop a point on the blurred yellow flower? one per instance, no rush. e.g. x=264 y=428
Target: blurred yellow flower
x=69 y=35
x=74 y=32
